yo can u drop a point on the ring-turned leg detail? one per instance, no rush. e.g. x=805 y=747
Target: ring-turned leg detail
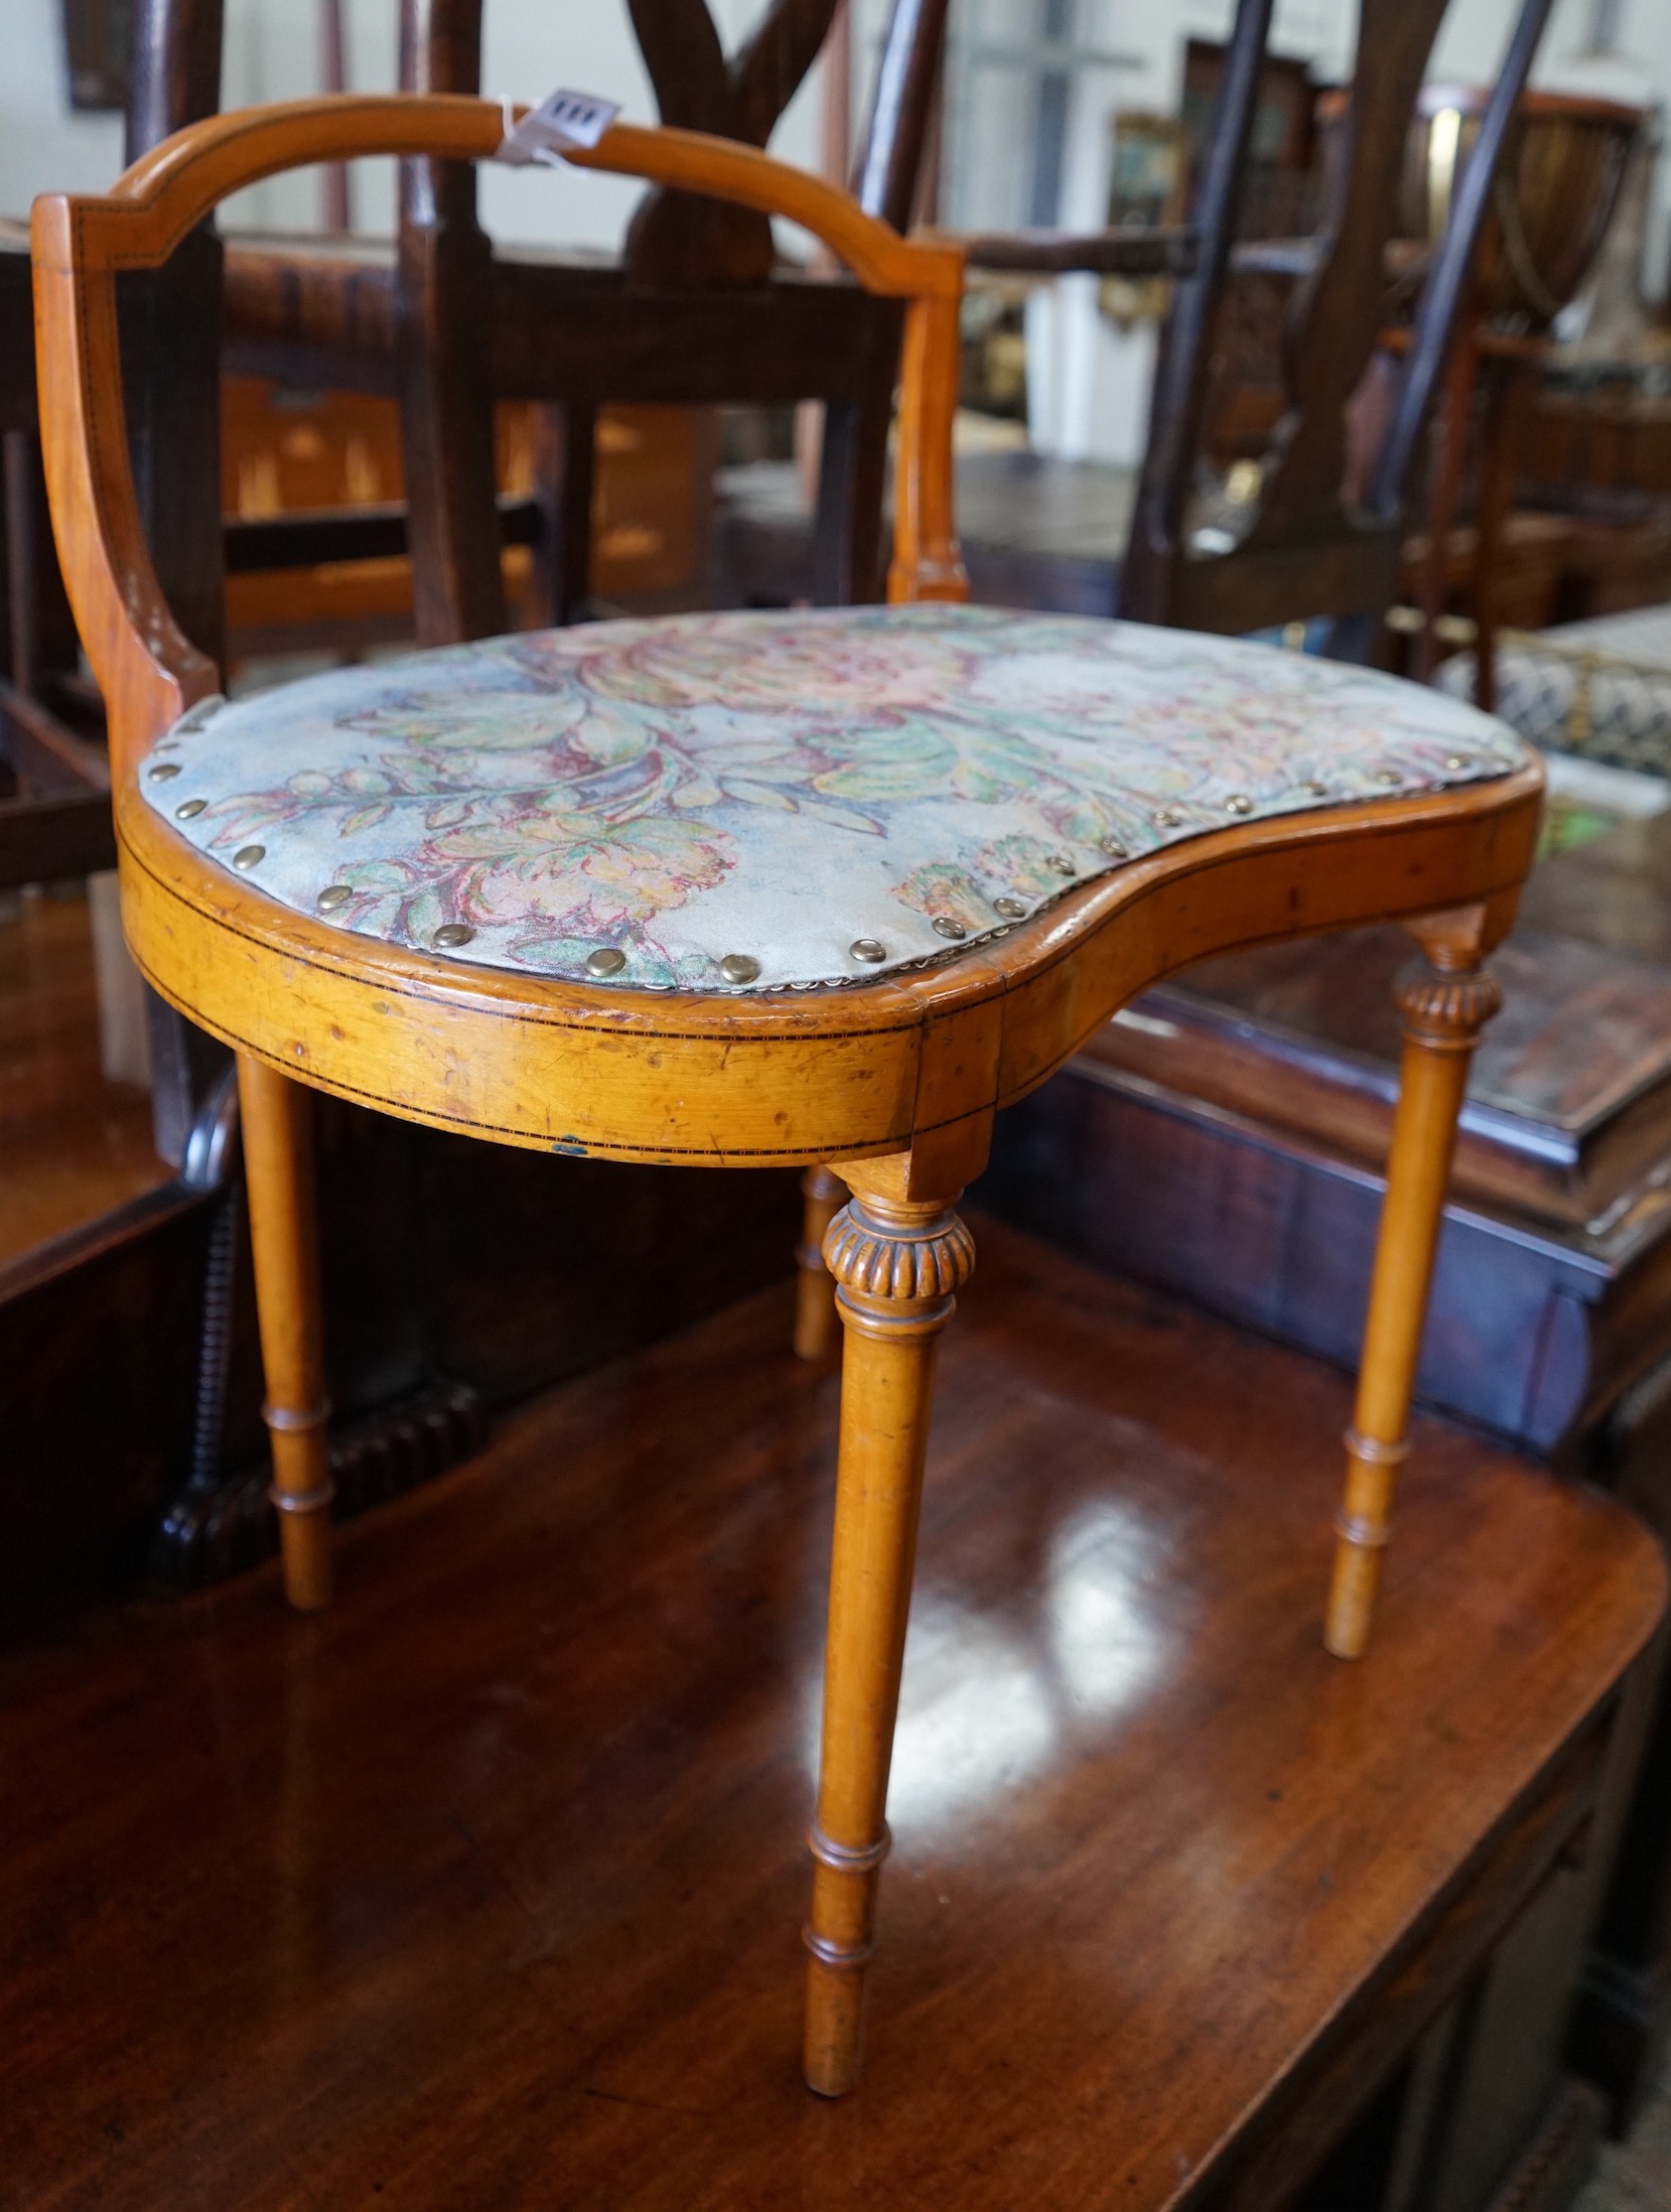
x=1444 y=1010
x=278 y=1152
x=896 y=1268
x=816 y=1314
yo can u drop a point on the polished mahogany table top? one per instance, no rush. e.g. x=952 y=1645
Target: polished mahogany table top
x=481 y=1887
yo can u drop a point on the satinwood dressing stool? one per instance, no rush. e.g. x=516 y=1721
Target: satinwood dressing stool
x=750 y=889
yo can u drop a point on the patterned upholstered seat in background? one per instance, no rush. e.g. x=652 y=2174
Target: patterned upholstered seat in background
x=1600 y=688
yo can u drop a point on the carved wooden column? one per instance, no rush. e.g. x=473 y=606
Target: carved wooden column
x=1445 y=1000
x=898 y=1267
x=815 y=1313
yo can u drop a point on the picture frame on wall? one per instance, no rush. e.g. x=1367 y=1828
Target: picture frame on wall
x=95 y=46
x=1147 y=189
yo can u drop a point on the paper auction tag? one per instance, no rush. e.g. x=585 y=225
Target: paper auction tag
x=561 y=119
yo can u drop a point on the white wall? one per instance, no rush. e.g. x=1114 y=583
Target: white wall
x=273 y=53
x=42 y=145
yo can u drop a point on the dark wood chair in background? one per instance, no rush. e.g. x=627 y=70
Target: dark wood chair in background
x=51 y=720
x=696 y=313
x=1310 y=543
x=54 y=804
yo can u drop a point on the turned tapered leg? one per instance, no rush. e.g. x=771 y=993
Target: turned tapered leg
x=1444 y=1010
x=815 y=1313
x=278 y=1158
x=896 y=1268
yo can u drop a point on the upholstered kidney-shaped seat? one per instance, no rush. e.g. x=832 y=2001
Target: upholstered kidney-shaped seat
x=761 y=802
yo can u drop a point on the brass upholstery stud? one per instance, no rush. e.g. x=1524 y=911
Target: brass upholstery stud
x=162 y=771
x=1167 y=817
x=740 y=967
x=247 y=856
x=1388 y=776
x=1314 y=789
x=606 y=960
x=332 y=896
x=188 y=809
x=453 y=934
x=1457 y=762
x=1238 y=804
x=1012 y=909
x=1062 y=865
x=946 y=926
x=868 y=949
x=1113 y=848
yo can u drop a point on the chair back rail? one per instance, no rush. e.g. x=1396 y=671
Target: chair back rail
x=148 y=669
x=674 y=239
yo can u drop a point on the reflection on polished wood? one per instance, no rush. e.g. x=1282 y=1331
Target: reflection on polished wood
x=480 y=1888
x=72 y=1145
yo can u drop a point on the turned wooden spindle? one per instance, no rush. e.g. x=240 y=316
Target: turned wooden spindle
x=1445 y=1000
x=278 y=1155
x=816 y=1327
x=896 y=1267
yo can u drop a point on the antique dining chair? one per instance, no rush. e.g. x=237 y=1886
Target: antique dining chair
x=1310 y=543
x=743 y=889
x=697 y=311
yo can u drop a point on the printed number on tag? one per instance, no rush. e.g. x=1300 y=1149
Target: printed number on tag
x=561 y=119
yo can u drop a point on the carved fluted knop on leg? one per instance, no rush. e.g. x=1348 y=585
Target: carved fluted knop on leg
x=896 y=1268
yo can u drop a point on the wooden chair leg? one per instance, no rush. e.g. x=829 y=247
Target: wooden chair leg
x=279 y=1170
x=1445 y=1004
x=815 y=1310
x=898 y=1267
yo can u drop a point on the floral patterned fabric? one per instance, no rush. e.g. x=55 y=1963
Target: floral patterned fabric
x=767 y=801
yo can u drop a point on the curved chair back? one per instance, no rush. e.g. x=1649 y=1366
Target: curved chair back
x=148 y=671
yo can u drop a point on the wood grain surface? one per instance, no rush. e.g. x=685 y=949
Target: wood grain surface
x=482 y=1888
